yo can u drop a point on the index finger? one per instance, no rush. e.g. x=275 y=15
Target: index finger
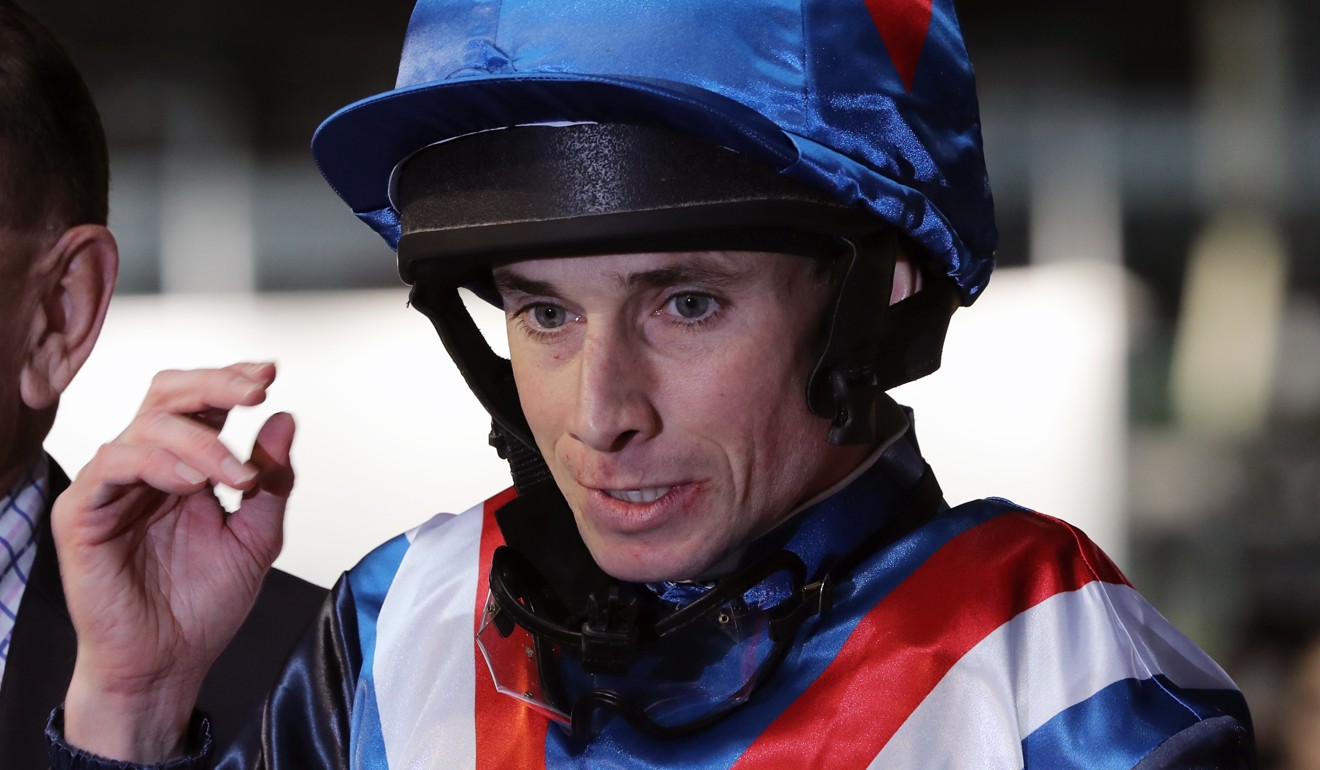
x=203 y=391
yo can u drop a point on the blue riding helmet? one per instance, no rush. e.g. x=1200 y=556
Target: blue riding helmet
x=871 y=101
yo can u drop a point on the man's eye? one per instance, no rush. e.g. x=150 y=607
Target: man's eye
x=548 y=316
x=691 y=307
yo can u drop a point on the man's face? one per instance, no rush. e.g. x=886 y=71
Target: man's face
x=666 y=393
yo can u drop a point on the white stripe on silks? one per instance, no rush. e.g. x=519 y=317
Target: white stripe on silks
x=1184 y=663
x=425 y=636
x=1051 y=657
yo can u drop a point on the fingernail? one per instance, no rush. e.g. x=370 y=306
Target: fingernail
x=189 y=473
x=237 y=472
x=252 y=386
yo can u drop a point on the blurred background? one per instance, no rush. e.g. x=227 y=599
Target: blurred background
x=1145 y=364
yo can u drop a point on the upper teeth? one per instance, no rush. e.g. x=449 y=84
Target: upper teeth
x=638 y=495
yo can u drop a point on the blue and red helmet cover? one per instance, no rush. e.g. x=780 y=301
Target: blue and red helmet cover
x=873 y=101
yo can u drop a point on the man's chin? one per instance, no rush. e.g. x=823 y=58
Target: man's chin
x=645 y=565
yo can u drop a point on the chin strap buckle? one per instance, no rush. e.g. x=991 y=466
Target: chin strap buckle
x=813 y=599
x=609 y=635
x=855 y=389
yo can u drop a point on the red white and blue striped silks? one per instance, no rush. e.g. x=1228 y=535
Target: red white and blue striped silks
x=991 y=637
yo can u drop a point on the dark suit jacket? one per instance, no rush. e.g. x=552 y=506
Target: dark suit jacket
x=41 y=653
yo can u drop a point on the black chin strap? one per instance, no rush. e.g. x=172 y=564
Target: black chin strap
x=489 y=376
x=526 y=465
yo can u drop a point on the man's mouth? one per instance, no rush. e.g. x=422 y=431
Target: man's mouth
x=648 y=495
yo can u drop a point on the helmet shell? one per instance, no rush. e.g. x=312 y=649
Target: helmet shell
x=871 y=101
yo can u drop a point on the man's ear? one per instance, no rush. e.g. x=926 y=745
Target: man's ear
x=74 y=279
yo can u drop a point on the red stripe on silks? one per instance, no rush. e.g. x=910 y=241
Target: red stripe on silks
x=906 y=644
x=509 y=734
x=903 y=25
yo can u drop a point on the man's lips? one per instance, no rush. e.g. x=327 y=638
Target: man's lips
x=642 y=495
x=629 y=508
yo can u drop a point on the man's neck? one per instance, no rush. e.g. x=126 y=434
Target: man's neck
x=22 y=448
x=20 y=475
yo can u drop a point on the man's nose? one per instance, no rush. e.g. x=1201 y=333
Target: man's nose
x=614 y=399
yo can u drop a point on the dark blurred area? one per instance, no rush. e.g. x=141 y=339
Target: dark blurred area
x=1180 y=140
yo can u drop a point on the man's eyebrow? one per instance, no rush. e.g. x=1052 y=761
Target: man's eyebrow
x=700 y=272
x=697 y=272
x=509 y=282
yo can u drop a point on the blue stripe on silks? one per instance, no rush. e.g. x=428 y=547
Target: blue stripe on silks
x=1230 y=702
x=370 y=581
x=1121 y=724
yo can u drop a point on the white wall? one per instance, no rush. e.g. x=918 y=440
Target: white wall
x=1030 y=402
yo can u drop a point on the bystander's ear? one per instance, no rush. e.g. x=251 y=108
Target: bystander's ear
x=72 y=281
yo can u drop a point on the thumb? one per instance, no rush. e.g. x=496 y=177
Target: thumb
x=270 y=453
x=259 y=521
